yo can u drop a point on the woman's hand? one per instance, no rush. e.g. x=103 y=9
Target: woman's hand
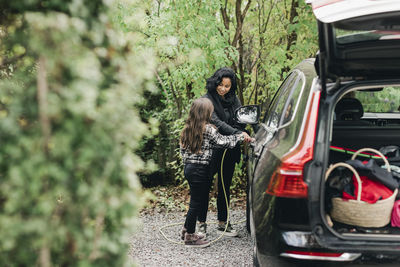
x=247 y=138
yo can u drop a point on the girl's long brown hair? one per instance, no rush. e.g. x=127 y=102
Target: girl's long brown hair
x=199 y=115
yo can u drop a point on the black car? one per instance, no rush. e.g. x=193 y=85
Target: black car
x=327 y=108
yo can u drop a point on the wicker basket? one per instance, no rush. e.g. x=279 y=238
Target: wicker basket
x=358 y=212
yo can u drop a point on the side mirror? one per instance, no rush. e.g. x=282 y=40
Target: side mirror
x=248 y=114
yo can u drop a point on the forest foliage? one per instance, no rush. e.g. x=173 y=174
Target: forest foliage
x=93 y=93
x=260 y=40
x=69 y=127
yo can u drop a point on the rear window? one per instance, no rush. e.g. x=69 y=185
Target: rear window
x=380 y=27
x=348 y=37
x=384 y=101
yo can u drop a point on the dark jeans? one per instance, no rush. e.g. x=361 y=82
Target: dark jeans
x=199 y=179
x=228 y=169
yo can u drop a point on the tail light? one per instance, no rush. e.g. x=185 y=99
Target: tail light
x=288 y=180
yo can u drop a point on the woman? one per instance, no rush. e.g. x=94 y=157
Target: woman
x=221 y=90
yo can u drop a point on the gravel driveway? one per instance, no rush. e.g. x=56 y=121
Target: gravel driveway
x=149 y=248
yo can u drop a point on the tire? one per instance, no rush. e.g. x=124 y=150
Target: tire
x=255 y=257
x=247 y=213
x=253 y=236
x=248 y=206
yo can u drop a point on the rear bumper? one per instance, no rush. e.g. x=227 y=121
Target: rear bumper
x=321 y=256
x=303 y=245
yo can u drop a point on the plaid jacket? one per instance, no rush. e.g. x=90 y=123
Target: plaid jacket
x=211 y=139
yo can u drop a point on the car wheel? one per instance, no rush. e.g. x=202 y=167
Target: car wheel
x=255 y=257
x=249 y=222
x=247 y=212
x=261 y=260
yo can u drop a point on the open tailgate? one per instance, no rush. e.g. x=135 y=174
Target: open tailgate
x=358 y=38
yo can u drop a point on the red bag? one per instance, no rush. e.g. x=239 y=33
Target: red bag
x=395 y=219
x=371 y=191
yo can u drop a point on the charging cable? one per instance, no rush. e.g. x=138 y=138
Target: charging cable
x=227 y=207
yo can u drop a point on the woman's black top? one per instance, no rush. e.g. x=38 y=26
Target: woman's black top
x=223 y=116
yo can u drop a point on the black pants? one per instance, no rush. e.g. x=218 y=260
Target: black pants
x=228 y=169
x=230 y=159
x=199 y=179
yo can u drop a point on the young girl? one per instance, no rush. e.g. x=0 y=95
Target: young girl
x=197 y=141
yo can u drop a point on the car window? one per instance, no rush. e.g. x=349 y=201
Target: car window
x=383 y=101
x=291 y=104
x=285 y=102
x=279 y=100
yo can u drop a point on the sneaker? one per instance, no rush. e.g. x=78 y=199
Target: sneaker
x=194 y=241
x=229 y=230
x=202 y=229
x=201 y=235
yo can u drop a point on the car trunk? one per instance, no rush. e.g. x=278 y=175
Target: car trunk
x=341 y=141
x=359 y=50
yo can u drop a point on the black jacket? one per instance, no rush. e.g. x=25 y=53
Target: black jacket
x=223 y=119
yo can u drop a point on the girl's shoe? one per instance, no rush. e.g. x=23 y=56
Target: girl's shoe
x=202 y=229
x=201 y=235
x=229 y=230
x=194 y=241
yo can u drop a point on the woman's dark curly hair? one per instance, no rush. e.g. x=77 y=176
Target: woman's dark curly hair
x=216 y=79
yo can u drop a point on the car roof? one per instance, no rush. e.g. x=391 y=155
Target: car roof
x=328 y=11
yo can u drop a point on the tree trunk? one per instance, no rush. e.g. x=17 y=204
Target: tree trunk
x=242 y=79
x=292 y=36
x=176 y=96
x=42 y=91
x=237 y=42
